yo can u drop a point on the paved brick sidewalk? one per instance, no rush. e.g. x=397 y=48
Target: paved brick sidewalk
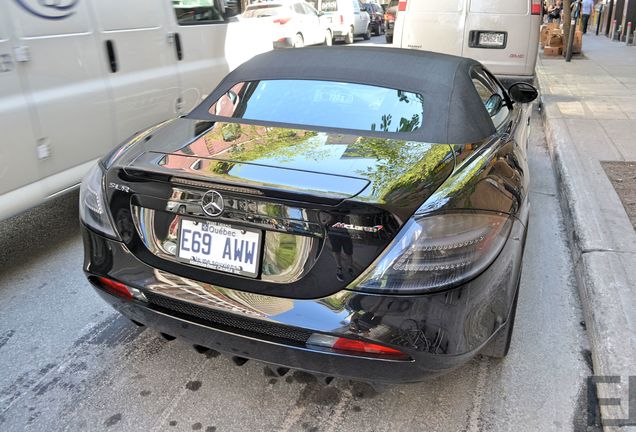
x=589 y=114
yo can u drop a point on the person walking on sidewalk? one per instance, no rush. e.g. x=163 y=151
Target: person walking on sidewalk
x=588 y=5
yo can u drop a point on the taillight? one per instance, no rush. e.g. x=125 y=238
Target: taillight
x=354 y=346
x=115 y=288
x=341 y=19
x=437 y=252
x=402 y=6
x=536 y=7
x=282 y=21
x=119 y=289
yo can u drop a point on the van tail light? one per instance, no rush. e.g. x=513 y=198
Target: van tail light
x=402 y=6
x=282 y=21
x=355 y=346
x=536 y=7
x=341 y=19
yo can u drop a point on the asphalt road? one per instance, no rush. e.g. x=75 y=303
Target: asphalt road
x=69 y=362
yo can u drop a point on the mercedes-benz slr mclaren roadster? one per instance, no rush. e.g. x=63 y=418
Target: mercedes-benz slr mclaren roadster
x=319 y=213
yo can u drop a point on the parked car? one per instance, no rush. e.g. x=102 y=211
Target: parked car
x=369 y=226
x=78 y=77
x=389 y=20
x=347 y=19
x=296 y=23
x=376 y=15
x=502 y=34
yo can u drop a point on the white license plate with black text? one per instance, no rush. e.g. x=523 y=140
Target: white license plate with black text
x=220 y=247
x=492 y=39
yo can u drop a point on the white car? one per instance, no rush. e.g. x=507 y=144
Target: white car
x=296 y=23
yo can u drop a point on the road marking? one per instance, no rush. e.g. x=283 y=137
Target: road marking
x=474 y=417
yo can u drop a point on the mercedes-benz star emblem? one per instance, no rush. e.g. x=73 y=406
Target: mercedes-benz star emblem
x=212 y=203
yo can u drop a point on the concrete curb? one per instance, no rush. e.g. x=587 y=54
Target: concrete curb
x=606 y=275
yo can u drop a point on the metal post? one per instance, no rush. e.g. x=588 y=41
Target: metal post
x=629 y=33
x=612 y=30
x=599 y=18
x=575 y=16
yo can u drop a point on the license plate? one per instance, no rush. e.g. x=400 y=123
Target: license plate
x=220 y=247
x=492 y=39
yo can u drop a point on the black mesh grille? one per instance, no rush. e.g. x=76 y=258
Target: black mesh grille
x=226 y=321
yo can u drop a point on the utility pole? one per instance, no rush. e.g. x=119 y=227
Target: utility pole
x=576 y=11
x=565 y=19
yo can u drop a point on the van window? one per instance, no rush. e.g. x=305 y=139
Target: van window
x=444 y=6
x=324 y=104
x=139 y=14
x=193 y=12
x=500 y=7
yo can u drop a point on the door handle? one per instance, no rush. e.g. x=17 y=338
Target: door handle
x=112 y=56
x=177 y=46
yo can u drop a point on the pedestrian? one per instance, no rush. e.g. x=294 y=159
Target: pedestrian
x=554 y=14
x=588 y=5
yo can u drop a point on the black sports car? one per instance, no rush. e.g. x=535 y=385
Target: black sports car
x=315 y=216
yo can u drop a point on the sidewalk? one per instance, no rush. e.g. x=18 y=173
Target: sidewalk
x=590 y=116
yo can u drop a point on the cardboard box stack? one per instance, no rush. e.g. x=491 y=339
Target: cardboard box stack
x=554 y=42
x=545 y=32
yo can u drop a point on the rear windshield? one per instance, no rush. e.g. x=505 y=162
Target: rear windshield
x=323 y=104
x=265 y=10
x=500 y=7
x=444 y=6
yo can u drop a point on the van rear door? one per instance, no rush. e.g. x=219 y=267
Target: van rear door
x=431 y=25
x=509 y=35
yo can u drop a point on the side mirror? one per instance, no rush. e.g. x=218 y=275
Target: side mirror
x=320 y=13
x=494 y=104
x=523 y=92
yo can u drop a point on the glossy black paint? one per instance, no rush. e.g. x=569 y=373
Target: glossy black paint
x=437 y=331
x=300 y=186
x=365 y=182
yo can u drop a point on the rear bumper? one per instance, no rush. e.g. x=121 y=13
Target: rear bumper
x=285 y=42
x=437 y=332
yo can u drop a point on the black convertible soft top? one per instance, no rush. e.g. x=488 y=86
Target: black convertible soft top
x=453 y=110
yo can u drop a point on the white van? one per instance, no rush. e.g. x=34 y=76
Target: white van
x=501 y=34
x=79 y=77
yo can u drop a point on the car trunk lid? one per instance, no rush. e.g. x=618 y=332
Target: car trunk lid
x=323 y=205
